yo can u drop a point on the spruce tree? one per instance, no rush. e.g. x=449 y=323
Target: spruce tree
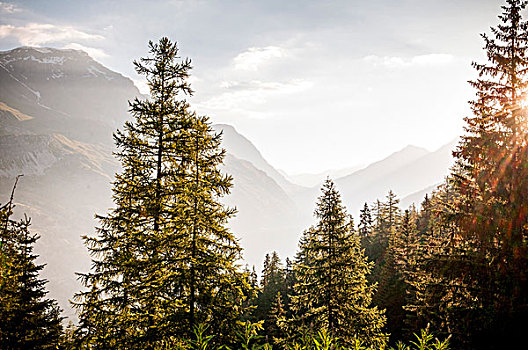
x=274 y=324
x=28 y=320
x=163 y=260
x=386 y=221
x=272 y=282
x=391 y=212
x=442 y=276
x=492 y=179
x=365 y=222
x=424 y=219
x=332 y=292
x=392 y=292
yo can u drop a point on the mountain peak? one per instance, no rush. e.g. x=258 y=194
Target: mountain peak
x=47 y=55
x=64 y=89
x=413 y=148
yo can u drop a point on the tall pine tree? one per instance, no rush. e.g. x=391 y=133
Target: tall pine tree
x=332 y=292
x=163 y=260
x=492 y=179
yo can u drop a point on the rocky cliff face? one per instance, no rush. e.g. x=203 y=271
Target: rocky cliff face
x=65 y=91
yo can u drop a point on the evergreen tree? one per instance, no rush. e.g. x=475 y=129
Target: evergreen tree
x=272 y=282
x=391 y=212
x=492 y=181
x=365 y=222
x=274 y=324
x=441 y=276
x=28 y=320
x=289 y=283
x=253 y=278
x=163 y=261
x=365 y=230
x=392 y=289
x=386 y=221
x=424 y=219
x=332 y=292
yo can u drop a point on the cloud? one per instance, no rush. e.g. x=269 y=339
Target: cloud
x=8 y=7
x=255 y=57
x=35 y=34
x=434 y=59
x=244 y=95
x=92 y=51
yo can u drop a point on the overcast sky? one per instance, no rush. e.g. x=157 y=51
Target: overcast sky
x=315 y=85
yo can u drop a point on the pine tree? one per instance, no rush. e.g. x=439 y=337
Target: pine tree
x=441 y=276
x=492 y=178
x=391 y=212
x=332 y=292
x=163 y=261
x=28 y=320
x=274 y=324
x=392 y=289
x=272 y=283
x=289 y=283
x=386 y=221
x=365 y=222
x=424 y=219
x=272 y=280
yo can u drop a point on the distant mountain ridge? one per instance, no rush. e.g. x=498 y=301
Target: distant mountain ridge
x=404 y=172
x=311 y=179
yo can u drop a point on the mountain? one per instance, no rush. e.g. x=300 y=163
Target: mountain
x=417 y=197
x=240 y=147
x=267 y=218
x=312 y=180
x=381 y=169
x=66 y=92
x=404 y=172
x=65 y=183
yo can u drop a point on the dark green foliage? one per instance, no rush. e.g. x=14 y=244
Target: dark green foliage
x=392 y=289
x=276 y=321
x=163 y=261
x=444 y=278
x=386 y=221
x=365 y=222
x=472 y=278
x=492 y=211
x=28 y=320
x=272 y=283
x=425 y=217
x=332 y=292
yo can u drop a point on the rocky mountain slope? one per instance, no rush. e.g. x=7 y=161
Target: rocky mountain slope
x=65 y=91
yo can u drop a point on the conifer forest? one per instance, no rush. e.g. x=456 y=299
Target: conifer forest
x=167 y=271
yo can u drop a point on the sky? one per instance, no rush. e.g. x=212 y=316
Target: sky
x=315 y=85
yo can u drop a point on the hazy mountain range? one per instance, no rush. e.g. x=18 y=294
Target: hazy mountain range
x=58 y=109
